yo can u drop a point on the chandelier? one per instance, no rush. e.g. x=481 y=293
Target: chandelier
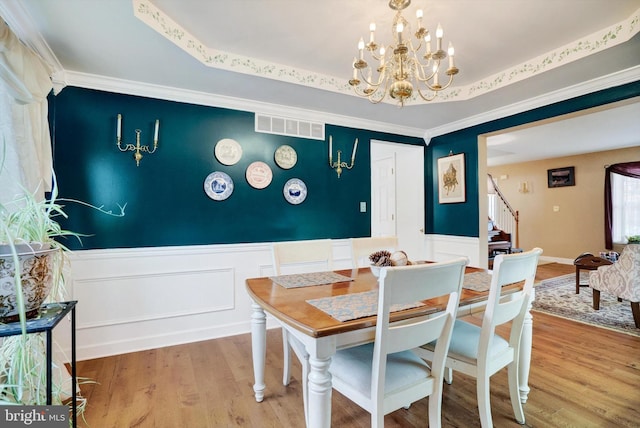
x=400 y=68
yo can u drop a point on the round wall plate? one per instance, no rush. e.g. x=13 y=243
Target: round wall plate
x=218 y=186
x=295 y=191
x=228 y=151
x=286 y=156
x=259 y=175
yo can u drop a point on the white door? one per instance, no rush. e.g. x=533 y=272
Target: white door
x=397 y=195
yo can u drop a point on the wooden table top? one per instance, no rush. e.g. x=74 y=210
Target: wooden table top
x=289 y=304
x=591 y=262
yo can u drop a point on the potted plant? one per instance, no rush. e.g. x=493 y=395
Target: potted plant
x=32 y=259
x=633 y=239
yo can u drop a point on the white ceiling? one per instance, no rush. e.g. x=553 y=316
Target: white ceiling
x=513 y=55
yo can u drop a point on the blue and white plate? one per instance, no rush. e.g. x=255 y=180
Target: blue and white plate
x=295 y=191
x=218 y=186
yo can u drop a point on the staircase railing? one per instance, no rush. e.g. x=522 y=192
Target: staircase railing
x=502 y=214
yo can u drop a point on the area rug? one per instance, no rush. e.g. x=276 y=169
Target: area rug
x=557 y=296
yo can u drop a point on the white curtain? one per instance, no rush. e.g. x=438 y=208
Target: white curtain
x=25 y=142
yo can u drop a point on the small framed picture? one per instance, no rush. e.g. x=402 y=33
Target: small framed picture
x=561 y=177
x=451 y=179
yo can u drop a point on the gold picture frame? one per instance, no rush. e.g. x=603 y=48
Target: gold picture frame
x=451 y=179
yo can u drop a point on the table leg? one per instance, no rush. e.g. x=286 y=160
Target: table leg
x=577 y=280
x=319 y=392
x=258 y=349
x=525 y=352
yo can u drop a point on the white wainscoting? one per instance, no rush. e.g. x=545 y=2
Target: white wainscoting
x=143 y=298
x=445 y=247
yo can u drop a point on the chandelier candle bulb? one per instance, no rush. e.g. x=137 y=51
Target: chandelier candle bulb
x=451 y=52
x=119 y=127
x=372 y=29
x=361 y=48
x=399 y=30
x=155 y=134
x=419 y=16
x=439 y=34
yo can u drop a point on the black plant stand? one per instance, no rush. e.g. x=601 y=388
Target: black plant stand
x=50 y=316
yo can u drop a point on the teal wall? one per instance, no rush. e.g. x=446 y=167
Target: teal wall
x=462 y=219
x=166 y=202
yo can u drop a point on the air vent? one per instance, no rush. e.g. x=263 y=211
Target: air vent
x=288 y=126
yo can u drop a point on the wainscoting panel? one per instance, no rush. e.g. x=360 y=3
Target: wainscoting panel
x=447 y=247
x=136 y=298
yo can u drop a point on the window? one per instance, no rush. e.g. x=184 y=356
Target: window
x=625 y=201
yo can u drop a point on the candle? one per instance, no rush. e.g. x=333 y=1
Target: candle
x=155 y=135
x=439 y=34
x=119 y=131
x=399 y=30
x=353 y=155
x=419 y=16
x=382 y=51
x=372 y=29
x=330 y=151
x=355 y=70
x=361 y=47
x=451 y=52
x=427 y=40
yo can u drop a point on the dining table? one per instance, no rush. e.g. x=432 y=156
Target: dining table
x=301 y=309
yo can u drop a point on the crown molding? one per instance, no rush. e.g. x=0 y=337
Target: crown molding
x=606 y=82
x=143 y=89
x=593 y=43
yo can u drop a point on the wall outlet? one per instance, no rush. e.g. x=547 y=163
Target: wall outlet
x=363 y=207
x=556 y=208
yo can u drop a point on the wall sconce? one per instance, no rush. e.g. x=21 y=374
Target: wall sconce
x=137 y=148
x=339 y=164
x=524 y=187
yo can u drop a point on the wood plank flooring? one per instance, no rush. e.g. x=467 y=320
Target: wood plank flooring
x=581 y=376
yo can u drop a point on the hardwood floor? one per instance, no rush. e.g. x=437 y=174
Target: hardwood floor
x=581 y=376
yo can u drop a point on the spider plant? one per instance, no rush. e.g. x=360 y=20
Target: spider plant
x=32 y=223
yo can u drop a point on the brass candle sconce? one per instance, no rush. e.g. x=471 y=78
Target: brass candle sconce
x=136 y=148
x=340 y=164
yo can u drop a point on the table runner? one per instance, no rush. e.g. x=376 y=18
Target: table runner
x=308 y=279
x=349 y=307
x=477 y=281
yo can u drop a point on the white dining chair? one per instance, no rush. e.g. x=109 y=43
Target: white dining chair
x=361 y=248
x=300 y=257
x=479 y=351
x=385 y=375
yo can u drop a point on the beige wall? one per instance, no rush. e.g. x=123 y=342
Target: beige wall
x=578 y=224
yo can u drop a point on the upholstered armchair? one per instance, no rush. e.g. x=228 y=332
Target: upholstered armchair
x=622 y=279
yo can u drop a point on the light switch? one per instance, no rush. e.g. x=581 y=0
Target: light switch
x=363 y=207
x=556 y=208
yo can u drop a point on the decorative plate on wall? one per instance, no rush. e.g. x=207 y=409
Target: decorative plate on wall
x=218 y=186
x=286 y=157
x=259 y=175
x=295 y=191
x=228 y=151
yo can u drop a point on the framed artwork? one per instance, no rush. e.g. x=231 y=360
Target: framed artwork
x=561 y=177
x=451 y=179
